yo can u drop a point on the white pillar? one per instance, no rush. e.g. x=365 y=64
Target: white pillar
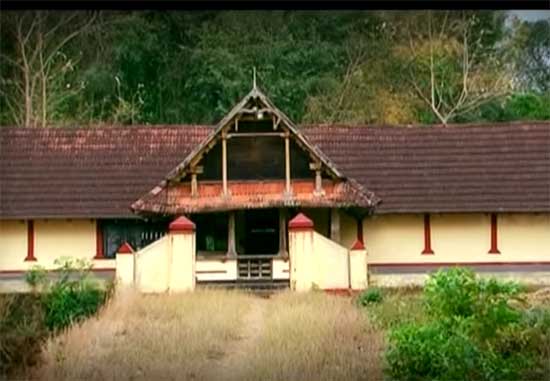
x=182 y=255
x=301 y=253
x=125 y=258
x=358 y=268
x=358 y=271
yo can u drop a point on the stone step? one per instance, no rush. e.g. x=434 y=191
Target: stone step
x=252 y=285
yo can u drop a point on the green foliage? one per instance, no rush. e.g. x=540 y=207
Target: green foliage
x=372 y=295
x=70 y=298
x=36 y=276
x=191 y=67
x=473 y=332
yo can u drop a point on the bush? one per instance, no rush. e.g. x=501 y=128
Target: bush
x=370 y=296
x=72 y=297
x=472 y=332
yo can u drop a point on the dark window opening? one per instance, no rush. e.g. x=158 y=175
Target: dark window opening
x=257 y=126
x=212 y=232
x=138 y=233
x=260 y=157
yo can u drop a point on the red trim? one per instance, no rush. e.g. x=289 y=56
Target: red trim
x=30 y=241
x=494 y=247
x=181 y=224
x=358 y=245
x=359 y=242
x=125 y=248
x=427 y=236
x=403 y=264
x=98 y=241
x=300 y=222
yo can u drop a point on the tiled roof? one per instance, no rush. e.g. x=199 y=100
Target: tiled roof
x=251 y=195
x=92 y=172
x=100 y=172
x=460 y=168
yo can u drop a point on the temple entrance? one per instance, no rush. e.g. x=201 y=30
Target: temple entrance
x=257 y=232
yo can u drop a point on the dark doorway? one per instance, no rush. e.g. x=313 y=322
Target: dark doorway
x=258 y=232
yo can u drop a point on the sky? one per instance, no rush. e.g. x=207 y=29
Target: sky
x=531 y=15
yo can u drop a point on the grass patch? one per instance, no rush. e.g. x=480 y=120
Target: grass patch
x=136 y=336
x=315 y=336
x=398 y=306
x=22 y=331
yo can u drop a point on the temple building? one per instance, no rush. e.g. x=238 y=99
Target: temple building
x=257 y=201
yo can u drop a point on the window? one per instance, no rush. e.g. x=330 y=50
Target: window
x=138 y=233
x=212 y=232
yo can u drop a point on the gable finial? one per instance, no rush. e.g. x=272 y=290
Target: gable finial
x=254 y=77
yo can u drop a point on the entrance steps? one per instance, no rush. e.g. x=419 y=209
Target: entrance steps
x=255 y=285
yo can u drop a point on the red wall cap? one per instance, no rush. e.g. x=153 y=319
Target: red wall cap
x=358 y=245
x=125 y=248
x=300 y=222
x=182 y=224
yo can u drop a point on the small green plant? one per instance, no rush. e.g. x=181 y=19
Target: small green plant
x=372 y=295
x=72 y=296
x=36 y=276
x=472 y=332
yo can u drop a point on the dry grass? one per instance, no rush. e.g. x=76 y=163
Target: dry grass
x=140 y=337
x=218 y=335
x=314 y=336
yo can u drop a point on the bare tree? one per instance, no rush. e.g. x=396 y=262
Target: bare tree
x=40 y=39
x=449 y=69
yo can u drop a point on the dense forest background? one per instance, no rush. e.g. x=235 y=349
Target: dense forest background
x=151 y=67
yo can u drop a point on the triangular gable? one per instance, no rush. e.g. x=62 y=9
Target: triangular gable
x=348 y=194
x=255 y=93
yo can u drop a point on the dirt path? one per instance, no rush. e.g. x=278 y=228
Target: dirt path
x=235 y=354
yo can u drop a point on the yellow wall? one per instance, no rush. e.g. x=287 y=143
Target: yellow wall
x=524 y=237
x=393 y=238
x=52 y=239
x=13 y=244
x=59 y=238
x=455 y=238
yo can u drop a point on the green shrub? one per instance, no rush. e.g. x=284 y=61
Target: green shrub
x=72 y=297
x=36 y=276
x=370 y=296
x=472 y=332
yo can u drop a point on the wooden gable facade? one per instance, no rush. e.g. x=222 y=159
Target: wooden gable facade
x=254 y=158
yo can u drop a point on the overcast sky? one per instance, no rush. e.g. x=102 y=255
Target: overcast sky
x=531 y=15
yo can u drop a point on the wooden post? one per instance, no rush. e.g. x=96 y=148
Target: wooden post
x=224 y=163
x=287 y=164
x=194 y=188
x=335 y=225
x=231 y=250
x=282 y=233
x=318 y=191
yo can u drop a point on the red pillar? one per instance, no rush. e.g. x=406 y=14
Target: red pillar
x=494 y=245
x=99 y=254
x=30 y=241
x=427 y=236
x=359 y=242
